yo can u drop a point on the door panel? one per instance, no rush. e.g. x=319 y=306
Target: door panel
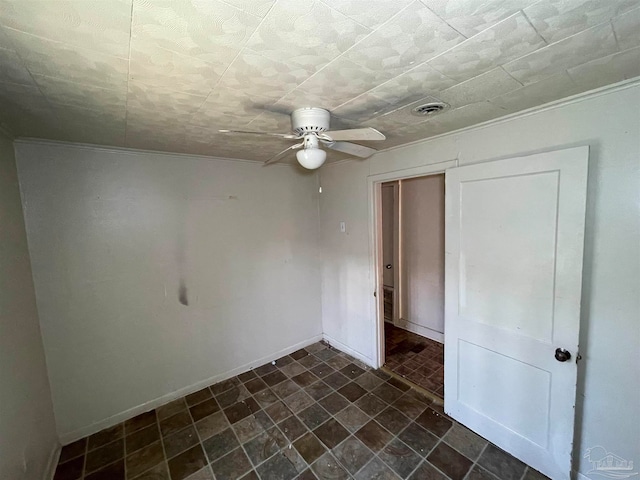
x=483 y=369
x=514 y=240
x=490 y=268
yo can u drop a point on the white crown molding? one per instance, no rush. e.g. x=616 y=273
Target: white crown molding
x=137 y=151
x=580 y=97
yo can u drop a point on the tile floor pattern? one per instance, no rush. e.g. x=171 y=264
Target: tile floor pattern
x=314 y=414
x=416 y=358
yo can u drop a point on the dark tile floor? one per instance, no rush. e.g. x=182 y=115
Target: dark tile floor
x=416 y=358
x=314 y=414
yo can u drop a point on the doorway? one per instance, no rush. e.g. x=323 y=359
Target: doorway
x=412 y=233
x=513 y=262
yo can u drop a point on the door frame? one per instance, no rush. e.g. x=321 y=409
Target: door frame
x=376 y=264
x=395 y=314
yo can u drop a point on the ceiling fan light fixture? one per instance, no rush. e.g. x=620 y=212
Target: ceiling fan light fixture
x=311 y=125
x=311 y=158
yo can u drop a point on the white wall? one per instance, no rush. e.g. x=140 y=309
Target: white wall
x=28 y=437
x=348 y=320
x=113 y=235
x=422 y=234
x=609 y=382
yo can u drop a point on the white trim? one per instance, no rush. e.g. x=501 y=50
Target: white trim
x=79 y=433
x=348 y=350
x=420 y=330
x=523 y=113
x=579 y=476
x=136 y=151
x=374 y=193
x=419 y=171
x=577 y=98
x=397 y=255
x=374 y=183
x=397 y=258
x=52 y=464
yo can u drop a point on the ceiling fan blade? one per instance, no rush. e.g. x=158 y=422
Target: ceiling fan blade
x=367 y=133
x=288 y=136
x=352 y=149
x=277 y=157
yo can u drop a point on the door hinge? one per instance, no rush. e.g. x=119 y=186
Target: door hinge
x=375 y=294
x=578 y=357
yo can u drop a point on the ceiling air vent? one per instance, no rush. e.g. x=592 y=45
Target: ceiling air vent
x=428 y=109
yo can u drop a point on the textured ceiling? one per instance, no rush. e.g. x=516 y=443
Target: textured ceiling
x=167 y=74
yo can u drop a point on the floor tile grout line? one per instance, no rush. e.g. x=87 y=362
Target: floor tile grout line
x=278 y=427
x=275 y=425
x=524 y=473
x=395 y=336
x=394 y=436
x=294 y=414
x=475 y=462
x=164 y=450
x=161 y=437
x=124 y=449
x=193 y=424
x=333 y=416
x=443 y=441
x=253 y=413
x=244 y=450
x=201 y=441
x=86 y=454
x=84 y=469
x=125 y=453
x=103 y=467
x=291 y=442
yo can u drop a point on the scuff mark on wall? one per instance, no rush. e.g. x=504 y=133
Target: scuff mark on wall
x=182 y=293
x=181 y=253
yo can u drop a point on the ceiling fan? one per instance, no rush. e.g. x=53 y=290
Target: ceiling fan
x=311 y=126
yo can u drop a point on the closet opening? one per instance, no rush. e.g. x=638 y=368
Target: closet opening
x=411 y=223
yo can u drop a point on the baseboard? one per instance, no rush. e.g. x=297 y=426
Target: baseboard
x=69 y=437
x=419 y=330
x=52 y=464
x=348 y=350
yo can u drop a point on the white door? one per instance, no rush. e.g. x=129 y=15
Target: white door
x=513 y=273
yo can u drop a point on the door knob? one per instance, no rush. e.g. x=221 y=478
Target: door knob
x=388 y=266
x=562 y=355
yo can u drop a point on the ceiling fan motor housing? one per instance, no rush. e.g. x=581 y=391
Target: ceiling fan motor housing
x=310 y=120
